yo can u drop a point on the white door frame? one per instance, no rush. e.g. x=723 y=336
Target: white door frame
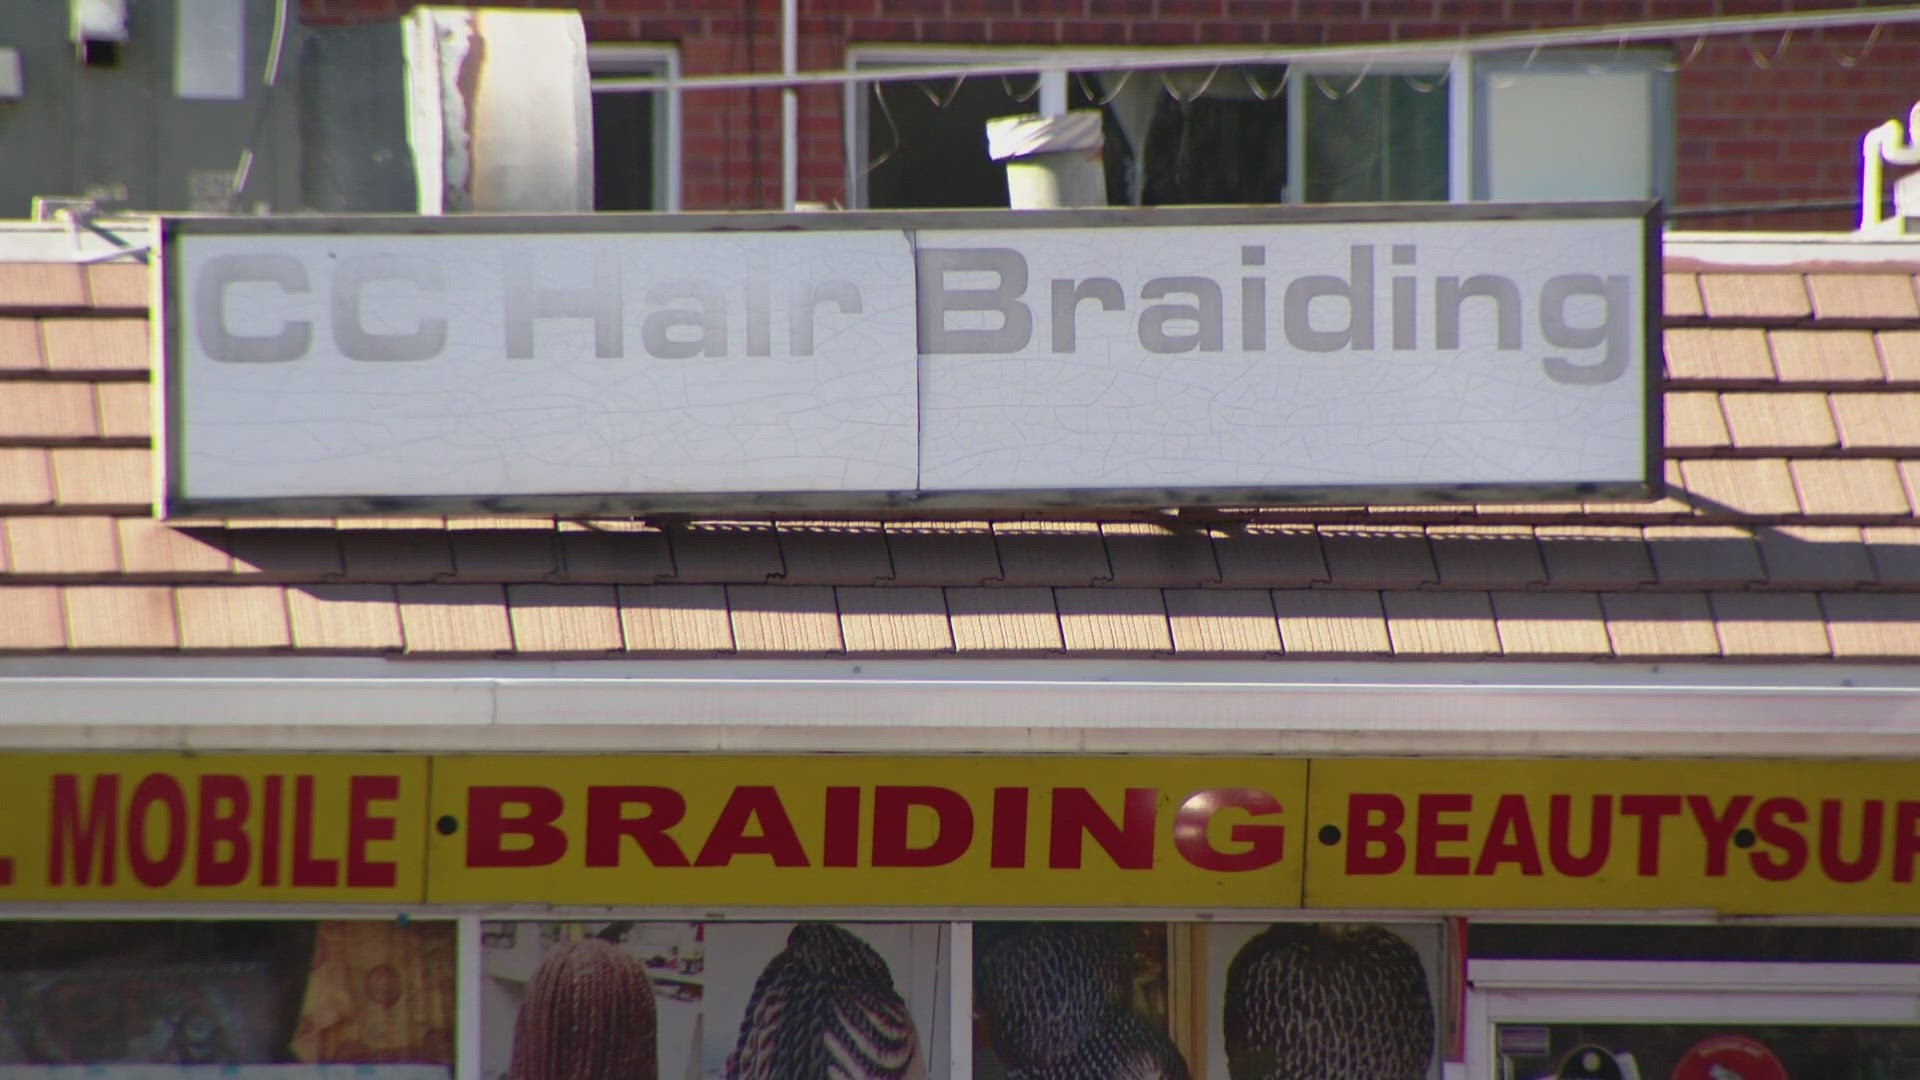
x=1679 y=992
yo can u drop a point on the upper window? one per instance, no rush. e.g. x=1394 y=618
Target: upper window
x=635 y=132
x=1507 y=128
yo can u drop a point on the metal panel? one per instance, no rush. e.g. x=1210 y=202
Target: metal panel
x=530 y=377
x=353 y=124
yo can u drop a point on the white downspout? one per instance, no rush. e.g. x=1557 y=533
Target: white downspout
x=1886 y=144
x=789 y=105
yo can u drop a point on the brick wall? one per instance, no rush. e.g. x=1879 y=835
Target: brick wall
x=1757 y=122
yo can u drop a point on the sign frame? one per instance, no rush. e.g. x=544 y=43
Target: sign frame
x=177 y=499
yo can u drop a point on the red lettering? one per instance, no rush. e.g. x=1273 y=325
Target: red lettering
x=489 y=824
x=1559 y=838
x=222 y=825
x=156 y=789
x=1906 y=840
x=1375 y=819
x=1510 y=839
x=840 y=840
x=270 y=831
x=1429 y=832
x=1770 y=825
x=608 y=823
x=1262 y=845
x=1867 y=858
x=729 y=837
x=1128 y=842
x=1718 y=829
x=1009 y=829
x=364 y=828
x=82 y=844
x=952 y=830
x=308 y=872
x=1652 y=810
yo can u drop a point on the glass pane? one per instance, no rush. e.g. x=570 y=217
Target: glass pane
x=1222 y=138
x=1093 y=1001
x=125 y=997
x=1569 y=134
x=1801 y=944
x=685 y=1000
x=1382 y=138
x=1573 y=1051
x=623 y=151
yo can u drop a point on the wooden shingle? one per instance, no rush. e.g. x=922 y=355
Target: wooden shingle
x=45 y=412
x=1051 y=553
x=1550 y=624
x=1825 y=356
x=561 y=619
x=120 y=286
x=1863 y=296
x=1259 y=556
x=1900 y=355
x=1776 y=422
x=784 y=619
x=1866 y=488
x=833 y=553
x=1235 y=622
x=1894 y=551
x=725 y=552
x=31 y=619
x=1717 y=354
x=29 y=286
x=1702 y=556
x=1151 y=556
x=344 y=618
x=289 y=555
x=1667 y=624
x=20 y=345
x=1363 y=557
x=62 y=546
x=1884 y=421
x=1440 y=623
x=1595 y=556
x=232 y=618
x=1805 y=556
x=1113 y=621
x=616 y=556
x=453 y=619
x=1872 y=625
x=895 y=619
x=1694 y=422
x=504 y=555
x=1759 y=624
x=989 y=620
x=675 y=619
x=104 y=346
x=1680 y=296
x=414 y=555
x=1331 y=622
x=1760 y=488
x=26 y=477
x=125 y=409
x=1775 y=295
x=102 y=477
x=127 y=617
x=1486 y=556
x=942 y=553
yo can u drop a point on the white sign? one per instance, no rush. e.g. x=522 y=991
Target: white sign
x=860 y=362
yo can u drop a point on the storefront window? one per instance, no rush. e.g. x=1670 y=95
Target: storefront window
x=1705 y=1052
x=150 y=998
x=740 y=1001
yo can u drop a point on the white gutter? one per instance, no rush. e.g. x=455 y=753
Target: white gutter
x=841 y=707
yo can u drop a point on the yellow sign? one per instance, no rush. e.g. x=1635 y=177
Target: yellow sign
x=234 y=829
x=1739 y=837
x=855 y=831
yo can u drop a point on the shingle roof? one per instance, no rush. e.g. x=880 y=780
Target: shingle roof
x=1792 y=417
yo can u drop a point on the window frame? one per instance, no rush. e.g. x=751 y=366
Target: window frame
x=1467 y=106
x=627 y=60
